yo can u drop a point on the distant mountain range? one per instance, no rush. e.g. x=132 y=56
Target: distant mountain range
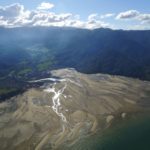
x=31 y=52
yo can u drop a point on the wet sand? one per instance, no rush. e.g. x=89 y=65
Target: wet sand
x=90 y=104
x=132 y=133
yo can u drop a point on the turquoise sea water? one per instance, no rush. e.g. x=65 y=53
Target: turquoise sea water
x=129 y=134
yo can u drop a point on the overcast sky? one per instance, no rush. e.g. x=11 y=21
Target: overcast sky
x=90 y=14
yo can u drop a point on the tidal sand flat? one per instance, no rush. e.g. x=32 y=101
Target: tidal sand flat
x=71 y=107
x=129 y=134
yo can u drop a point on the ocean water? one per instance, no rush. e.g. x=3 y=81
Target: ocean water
x=129 y=134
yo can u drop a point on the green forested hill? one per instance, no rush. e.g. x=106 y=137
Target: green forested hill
x=30 y=52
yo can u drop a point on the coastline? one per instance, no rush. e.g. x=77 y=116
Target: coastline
x=125 y=134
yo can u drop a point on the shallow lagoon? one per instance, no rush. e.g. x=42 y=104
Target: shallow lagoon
x=127 y=134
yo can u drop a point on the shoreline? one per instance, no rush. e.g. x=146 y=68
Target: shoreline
x=103 y=138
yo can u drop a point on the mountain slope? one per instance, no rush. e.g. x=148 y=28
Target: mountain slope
x=30 y=52
x=101 y=50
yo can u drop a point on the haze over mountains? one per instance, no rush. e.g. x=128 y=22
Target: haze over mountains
x=102 y=50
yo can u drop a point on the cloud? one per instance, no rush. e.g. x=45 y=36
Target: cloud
x=93 y=24
x=45 y=6
x=11 y=11
x=92 y=16
x=130 y=14
x=11 y=14
x=16 y=15
x=144 y=18
x=65 y=20
x=49 y=19
x=107 y=15
x=136 y=15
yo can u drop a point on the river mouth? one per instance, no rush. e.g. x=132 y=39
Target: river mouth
x=132 y=133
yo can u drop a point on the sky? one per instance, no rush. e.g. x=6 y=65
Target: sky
x=89 y=14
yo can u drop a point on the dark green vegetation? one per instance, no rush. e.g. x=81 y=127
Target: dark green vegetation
x=27 y=53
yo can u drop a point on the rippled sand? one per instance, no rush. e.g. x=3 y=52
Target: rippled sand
x=89 y=104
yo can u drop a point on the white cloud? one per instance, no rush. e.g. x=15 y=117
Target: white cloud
x=47 y=18
x=93 y=16
x=15 y=15
x=45 y=6
x=136 y=15
x=11 y=15
x=3 y=23
x=107 y=15
x=144 y=18
x=65 y=20
x=130 y=14
x=93 y=24
x=11 y=11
